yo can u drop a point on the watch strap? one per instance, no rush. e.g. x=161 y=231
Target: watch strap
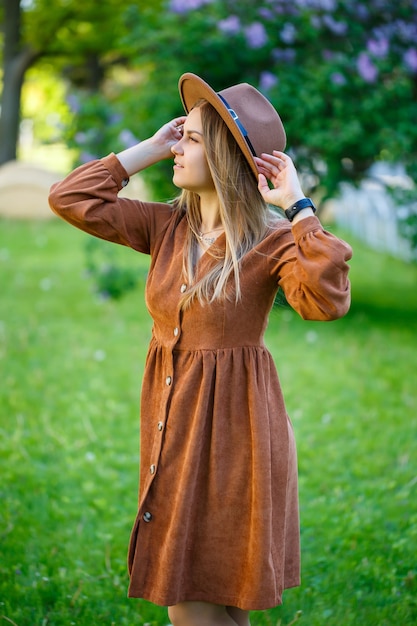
x=304 y=203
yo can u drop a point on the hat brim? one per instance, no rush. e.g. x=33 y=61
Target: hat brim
x=193 y=88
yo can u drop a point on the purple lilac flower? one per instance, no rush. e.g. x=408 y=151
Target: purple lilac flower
x=115 y=118
x=361 y=11
x=338 y=28
x=316 y=22
x=338 y=79
x=267 y=81
x=285 y=56
x=324 y=5
x=378 y=47
x=80 y=137
x=266 y=13
x=230 y=26
x=407 y=31
x=410 y=59
x=127 y=138
x=328 y=55
x=183 y=6
x=256 y=36
x=367 y=70
x=73 y=103
x=85 y=157
x=288 y=33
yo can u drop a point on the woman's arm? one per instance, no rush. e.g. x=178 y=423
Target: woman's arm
x=88 y=197
x=310 y=264
x=156 y=148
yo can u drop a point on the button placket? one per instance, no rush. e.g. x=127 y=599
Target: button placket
x=168 y=361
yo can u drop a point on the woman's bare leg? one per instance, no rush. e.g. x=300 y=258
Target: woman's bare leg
x=206 y=614
x=238 y=615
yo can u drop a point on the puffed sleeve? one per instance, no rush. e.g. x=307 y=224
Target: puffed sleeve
x=88 y=199
x=311 y=267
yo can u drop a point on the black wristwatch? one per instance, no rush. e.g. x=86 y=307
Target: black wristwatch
x=298 y=206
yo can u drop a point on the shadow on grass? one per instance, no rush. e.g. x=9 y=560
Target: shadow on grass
x=383 y=288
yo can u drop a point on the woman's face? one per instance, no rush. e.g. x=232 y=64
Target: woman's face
x=191 y=169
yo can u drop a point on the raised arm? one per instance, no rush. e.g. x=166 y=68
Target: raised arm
x=156 y=148
x=88 y=197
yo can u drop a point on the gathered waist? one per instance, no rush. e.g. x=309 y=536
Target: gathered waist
x=182 y=347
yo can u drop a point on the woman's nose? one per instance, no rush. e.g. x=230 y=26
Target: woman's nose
x=176 y=148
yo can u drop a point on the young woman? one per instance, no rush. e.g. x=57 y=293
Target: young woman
x=217 y=531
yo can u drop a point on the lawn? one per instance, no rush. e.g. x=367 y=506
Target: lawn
x=70 y=372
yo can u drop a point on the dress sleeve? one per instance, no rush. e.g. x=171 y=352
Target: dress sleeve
x=88 y=199
x=310 y=265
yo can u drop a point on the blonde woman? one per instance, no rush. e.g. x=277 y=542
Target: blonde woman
x=217 y=530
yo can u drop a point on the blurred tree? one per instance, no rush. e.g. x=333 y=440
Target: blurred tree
x=81 y=40
x=17 y=58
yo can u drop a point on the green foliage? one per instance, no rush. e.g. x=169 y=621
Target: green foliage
x=70 y=366
x=71 y=31
x=96 y=126
x=44 y=104
x=112 y=277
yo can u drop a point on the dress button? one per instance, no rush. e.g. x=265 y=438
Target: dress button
x=176 y=331
x=183 y=288
x=152 y=469
x=147 y=516
x=168 y=380
x=160 y=425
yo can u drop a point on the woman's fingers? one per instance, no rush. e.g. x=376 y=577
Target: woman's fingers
x=263 y=184
x=269 y=166
x=276 y=159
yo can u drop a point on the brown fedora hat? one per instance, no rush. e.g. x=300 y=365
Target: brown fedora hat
x=250 y=117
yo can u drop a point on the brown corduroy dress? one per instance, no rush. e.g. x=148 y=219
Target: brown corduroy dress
x=218 y=504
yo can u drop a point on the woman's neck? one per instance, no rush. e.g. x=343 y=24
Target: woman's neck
x=210 y=214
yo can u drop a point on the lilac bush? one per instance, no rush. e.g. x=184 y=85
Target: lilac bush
x=343 y=73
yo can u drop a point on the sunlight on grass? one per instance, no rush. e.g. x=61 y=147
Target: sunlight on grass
x=71 y=367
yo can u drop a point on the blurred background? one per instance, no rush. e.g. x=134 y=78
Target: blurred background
x=80 y=79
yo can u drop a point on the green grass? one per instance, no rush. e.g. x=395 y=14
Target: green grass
x=70 y=373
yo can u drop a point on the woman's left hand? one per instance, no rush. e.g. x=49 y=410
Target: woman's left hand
x=280 y=170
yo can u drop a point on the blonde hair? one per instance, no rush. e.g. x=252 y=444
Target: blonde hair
x=244 y=214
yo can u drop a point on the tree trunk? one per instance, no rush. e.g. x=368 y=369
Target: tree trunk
x=16 y=60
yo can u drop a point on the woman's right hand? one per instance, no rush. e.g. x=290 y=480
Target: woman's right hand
x=280 y=170
x=168 y=135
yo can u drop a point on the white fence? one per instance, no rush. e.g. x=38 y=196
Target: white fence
x=369 y=212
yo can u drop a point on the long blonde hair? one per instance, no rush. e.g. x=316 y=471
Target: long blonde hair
x=244 y=214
